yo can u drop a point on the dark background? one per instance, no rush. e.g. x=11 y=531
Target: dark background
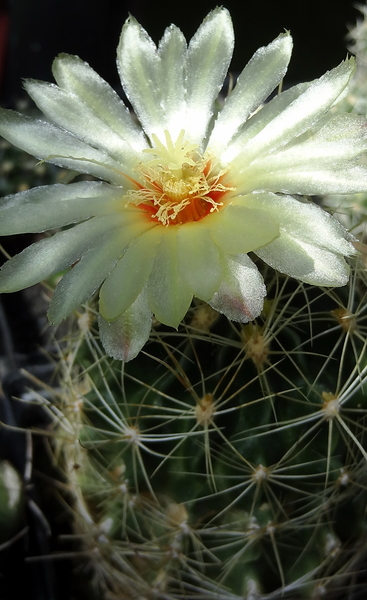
x=40 y=29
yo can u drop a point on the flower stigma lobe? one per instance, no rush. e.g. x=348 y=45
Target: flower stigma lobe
x=178 y=185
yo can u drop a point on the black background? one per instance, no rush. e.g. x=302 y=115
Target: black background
x=41 y=29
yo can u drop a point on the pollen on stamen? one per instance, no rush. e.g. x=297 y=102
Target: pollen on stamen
x=178 y=185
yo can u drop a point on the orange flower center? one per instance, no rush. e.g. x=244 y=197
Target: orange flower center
x=179 y=185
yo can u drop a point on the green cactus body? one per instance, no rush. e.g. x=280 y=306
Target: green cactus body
x=226 y=461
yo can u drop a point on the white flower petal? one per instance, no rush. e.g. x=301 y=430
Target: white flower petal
x=304 y=221
x=77 y=77
x=129 y=276
x=305 y=262
x=45 y=258
x=309 y=155
x=261 y=75
x=241 y=294
x=85 y=277
x=319 y=155
x=342 y=138
x=262 y=117
x=52 y=206
x=172 y=51
x=48 y=142
x=343 y=178
x=339 y=127
x=125 y=337
x=298 y=116
x=199 y=260
x=70 y=113
x=169 y=297
x=140 y=73
x=238 y=229
x=208 y=58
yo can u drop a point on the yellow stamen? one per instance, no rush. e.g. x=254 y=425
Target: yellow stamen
x=179 y=185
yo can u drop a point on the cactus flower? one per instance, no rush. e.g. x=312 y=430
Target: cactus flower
x=178 y=199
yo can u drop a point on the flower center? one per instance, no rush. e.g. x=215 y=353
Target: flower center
x=178 y=185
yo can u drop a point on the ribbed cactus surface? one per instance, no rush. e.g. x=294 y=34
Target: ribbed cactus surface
x=226 y=461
